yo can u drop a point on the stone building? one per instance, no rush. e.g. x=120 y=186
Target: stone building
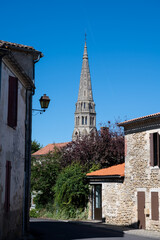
x=16 y=89
x=132 y=198
x=85 y=115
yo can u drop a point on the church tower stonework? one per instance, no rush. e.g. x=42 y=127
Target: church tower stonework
x=85 y=115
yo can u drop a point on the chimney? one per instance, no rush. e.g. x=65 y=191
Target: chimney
x=104 y=130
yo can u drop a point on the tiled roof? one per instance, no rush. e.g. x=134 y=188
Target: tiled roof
x=140 y=119
x=117 y=170
x=5 y=44
x=49 y=148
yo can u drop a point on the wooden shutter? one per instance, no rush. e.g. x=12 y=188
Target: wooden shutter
x=154 y=206
x=7 y=186
x=141 y=207
x=158 y=149
x=151 y=150
x=12 y=101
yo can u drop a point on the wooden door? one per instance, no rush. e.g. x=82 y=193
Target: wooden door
x=98 y=202
x=141 y=208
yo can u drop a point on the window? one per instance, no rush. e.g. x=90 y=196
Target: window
x=154 y=149
x=91 y=120
x=82 y=120
x=77 y=120
x=85 y=120
x=154 y=206
x=7 y=187
x=12 y=102
x=84 y=105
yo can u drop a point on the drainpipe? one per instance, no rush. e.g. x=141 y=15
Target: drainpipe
x=0 y=73
x=28 y=131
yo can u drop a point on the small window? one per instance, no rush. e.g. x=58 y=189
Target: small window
x=84 y=93
x=85 y=120
x=82 y=120
x=154 y=206
x=154 y=149
x=90 y=106
x=91 y=120
x=12 y=102
x=84 y=105
x=77 y=120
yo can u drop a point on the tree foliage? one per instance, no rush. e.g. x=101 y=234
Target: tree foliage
x=71 y=189
x=35 y=146
x=44 y=173
x=61 y=175
x=106 y=148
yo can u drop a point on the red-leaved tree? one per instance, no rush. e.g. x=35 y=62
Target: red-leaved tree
x=106 y=148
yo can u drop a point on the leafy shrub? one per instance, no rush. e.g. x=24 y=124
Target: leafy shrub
x=71 y=190
x=44 y=172
x=33 y=213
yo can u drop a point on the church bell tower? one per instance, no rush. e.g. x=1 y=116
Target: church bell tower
x=85 y=115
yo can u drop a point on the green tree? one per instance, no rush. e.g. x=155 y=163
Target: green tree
x=35 y=146
x=71 y=189
x=44 y=172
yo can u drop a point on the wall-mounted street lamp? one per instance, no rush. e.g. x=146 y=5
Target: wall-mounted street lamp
x=44 y=102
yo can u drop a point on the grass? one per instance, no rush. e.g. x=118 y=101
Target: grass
x=50 y=212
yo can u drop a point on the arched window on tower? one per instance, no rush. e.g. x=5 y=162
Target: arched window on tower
x=92 y=121
x=84 y=93
x=85 y=120
x=77 y=120
x=82 y=120
x=84 y=105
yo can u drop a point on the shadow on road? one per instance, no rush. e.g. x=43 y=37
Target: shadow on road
x=57 y=230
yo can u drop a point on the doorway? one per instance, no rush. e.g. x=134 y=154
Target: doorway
x=97 y=202
x=141 y=208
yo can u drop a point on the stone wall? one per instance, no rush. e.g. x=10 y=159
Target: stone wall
x=12 y=148
x=111 y=199
x=140 y=176
x=119 y=200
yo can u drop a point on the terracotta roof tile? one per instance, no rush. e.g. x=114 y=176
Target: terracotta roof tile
x=117 y=170
x=5 y=44
x=140 y=119
x=49 y=148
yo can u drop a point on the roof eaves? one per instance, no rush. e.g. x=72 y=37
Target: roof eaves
x=8 y=56
x=141 y=119
x=105 y=176
x=20 y=47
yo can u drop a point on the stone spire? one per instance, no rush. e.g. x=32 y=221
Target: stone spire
x=85 y=115
x=85 y=88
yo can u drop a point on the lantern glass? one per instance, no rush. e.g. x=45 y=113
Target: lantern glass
x=44 y=101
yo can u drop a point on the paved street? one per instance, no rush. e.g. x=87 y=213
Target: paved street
x=61 y=230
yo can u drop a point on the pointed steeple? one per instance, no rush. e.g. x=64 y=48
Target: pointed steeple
x=85 y=115
x=85 y=88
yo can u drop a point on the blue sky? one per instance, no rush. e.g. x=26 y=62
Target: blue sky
x=123 y=40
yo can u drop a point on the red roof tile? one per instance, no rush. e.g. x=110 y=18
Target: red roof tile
x=5 y=44
x=117 y=170
x=49 y=148
x=140 y=119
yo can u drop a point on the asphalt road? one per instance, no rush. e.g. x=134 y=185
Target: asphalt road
x=60 y=230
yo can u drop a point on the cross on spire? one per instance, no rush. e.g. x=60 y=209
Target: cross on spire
x=85 y=37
